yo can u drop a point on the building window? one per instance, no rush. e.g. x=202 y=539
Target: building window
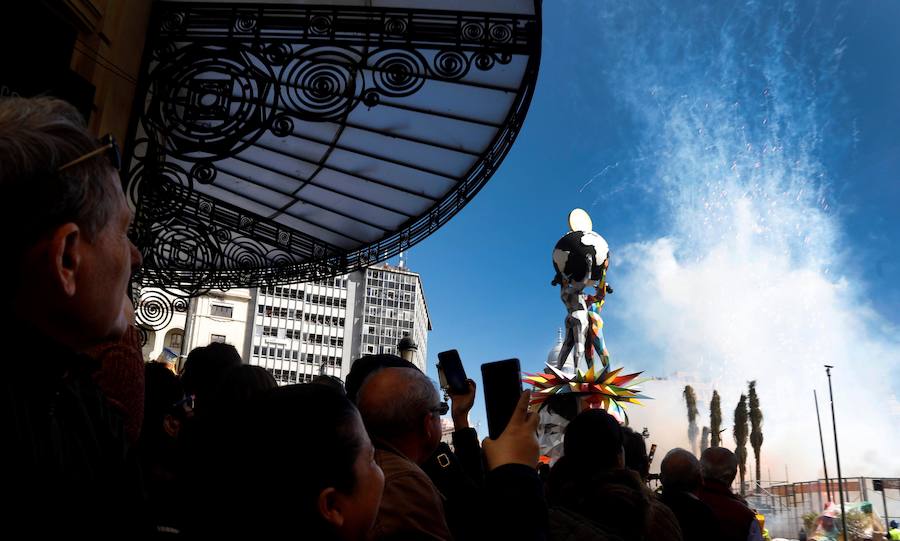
x=175 y=340
x=256 y=350
x=220 y=310
x=217 y=338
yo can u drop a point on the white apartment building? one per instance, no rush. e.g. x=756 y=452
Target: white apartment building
x=392 y=307
x=218 y=316
x=303 y=330
x=299 y=331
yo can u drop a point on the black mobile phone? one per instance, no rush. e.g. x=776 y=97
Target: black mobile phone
x=454 y=375
x=502 y=382
x=651 y=454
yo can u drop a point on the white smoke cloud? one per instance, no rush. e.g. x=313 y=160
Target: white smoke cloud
x=750 y=277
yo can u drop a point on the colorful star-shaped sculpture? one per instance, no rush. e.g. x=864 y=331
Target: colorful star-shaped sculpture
x=605 y=389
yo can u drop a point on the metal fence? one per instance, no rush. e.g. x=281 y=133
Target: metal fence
x=785 y=504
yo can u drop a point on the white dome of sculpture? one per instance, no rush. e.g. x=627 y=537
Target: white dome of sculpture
x=553 y=354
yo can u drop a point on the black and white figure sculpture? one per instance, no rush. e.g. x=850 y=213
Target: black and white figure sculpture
x=580 y=259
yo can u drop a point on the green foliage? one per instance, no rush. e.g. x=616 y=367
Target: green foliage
x=809 y=521
x=691 y=399
x=756 y=419
x=740 y=437
x=715 y=420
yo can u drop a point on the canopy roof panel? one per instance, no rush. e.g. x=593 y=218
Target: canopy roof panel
x=286 y=142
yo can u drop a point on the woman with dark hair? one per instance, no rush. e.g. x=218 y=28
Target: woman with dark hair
x=237 y=387
x=305 y=470
x=205 y=368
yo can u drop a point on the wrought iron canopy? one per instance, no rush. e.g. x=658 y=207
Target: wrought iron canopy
x=288 y=142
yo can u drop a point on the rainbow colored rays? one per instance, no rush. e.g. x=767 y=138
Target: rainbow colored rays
x=605 y=389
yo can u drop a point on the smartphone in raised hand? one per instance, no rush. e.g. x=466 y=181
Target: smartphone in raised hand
x=451 y=372
x=502 y=382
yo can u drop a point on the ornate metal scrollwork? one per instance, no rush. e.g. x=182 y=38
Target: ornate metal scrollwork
x=220 y=80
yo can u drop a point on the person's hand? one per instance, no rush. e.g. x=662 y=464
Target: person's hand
x=518 y=444
x=461 y=404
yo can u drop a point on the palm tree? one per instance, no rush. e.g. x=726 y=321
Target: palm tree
x=704 y=439
x=690 y=399
x=740 y=437
x=715 y=420
x=756 y=435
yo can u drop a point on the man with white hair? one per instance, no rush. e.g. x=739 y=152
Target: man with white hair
x=402 y=413
x=67 y=265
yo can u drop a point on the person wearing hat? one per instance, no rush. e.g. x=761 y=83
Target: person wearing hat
x=894 y=532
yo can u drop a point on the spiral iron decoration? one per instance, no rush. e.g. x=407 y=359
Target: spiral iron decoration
x=500 y=33
x=397 y=73
x=276 y=53
x=165 y=188
x=210 y=103
x=221 y=81
x=203 y=173
x=320 y=83
x=282 y=126
x=395 y=26
x=244 y=254
x=154 y=310
x=172 y=21
x=245 y=23
x=320 y=25
x=183 y=248
x=473 y=31
x=451 y=64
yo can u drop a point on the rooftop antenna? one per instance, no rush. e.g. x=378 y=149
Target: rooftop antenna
x=402 y=263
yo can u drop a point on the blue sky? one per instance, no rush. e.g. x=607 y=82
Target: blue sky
x=743 y=161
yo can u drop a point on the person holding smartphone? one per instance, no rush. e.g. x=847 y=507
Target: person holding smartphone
x=458 y=472
x=401 y=410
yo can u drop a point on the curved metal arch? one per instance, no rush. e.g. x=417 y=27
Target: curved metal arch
x=232 y=88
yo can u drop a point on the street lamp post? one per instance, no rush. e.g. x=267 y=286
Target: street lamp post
x=822 y=444
x=837 y=453
x=407 y=348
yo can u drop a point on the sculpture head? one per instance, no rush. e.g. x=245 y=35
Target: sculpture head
x=581 y=256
